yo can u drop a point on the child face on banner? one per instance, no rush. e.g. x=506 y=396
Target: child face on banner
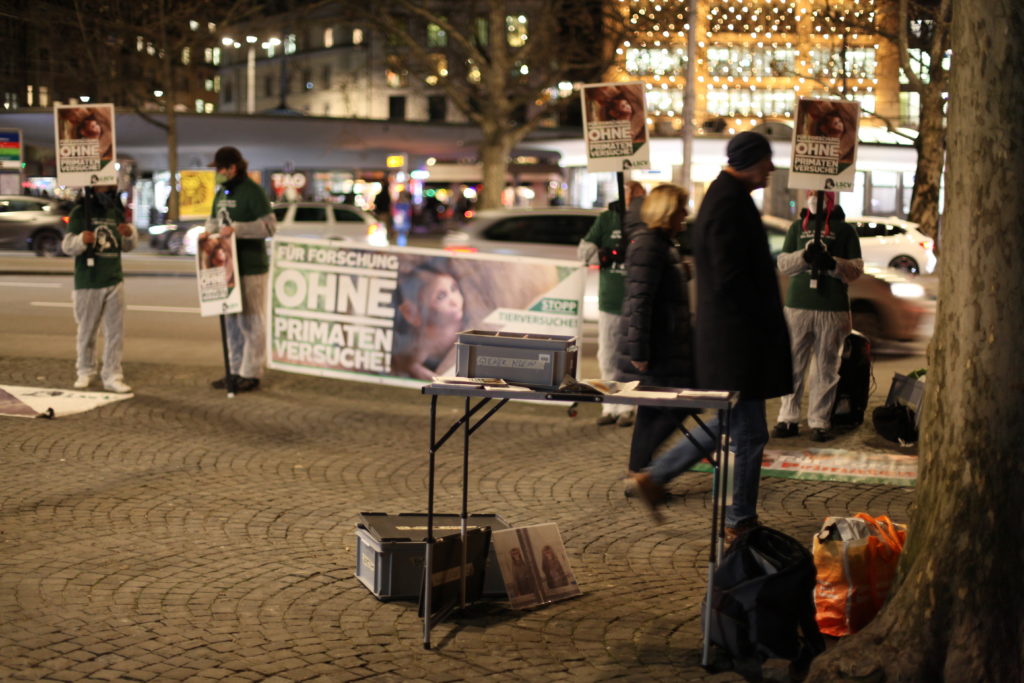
x=441 y=301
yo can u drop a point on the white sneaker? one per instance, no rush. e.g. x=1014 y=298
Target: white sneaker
x=83 y=382
x=117 y=386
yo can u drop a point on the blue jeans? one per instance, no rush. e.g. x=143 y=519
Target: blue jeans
x=749 y=434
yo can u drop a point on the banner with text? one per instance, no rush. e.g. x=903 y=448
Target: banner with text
x=615 y=127
x=392 y=315
x=86 y=153
x=824 y=145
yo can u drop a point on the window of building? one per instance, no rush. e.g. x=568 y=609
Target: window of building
x=910 y=108
x=664 y=102
x=746 y=102
x=436 y=36
x=325 y=75
x=395 y=74
x=437 y=108
x=517 y=33
x=290 y=44
x=268 y=86
x=44 y=96
x=656 y=61
x=396 y=107
x=200 y=106
x=751 y=61
x=357 y=36
x=860 y=63
x=208 y=85
x=186 y=55
x=481 y=31
x=329 y=37
x=884 y=192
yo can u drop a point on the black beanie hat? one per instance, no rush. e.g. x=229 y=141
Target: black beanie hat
x=746 y=149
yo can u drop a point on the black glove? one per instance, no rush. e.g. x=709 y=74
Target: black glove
x=824 y=262
x=812 y=250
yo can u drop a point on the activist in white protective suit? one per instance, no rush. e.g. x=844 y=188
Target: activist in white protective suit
x=241 y=207
x=818 y=317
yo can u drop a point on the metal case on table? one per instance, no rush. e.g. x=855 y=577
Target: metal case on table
x=536 y=360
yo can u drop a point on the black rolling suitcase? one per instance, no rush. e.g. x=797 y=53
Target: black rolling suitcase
x=854 y=381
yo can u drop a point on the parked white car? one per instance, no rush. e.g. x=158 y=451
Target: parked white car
x=886 y=242
x=318 y=220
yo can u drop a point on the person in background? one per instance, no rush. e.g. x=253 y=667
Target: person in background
x=818 y=318
x=241 y=207
x=656 y=346
x=742 y=343
x=98 y=297
x=605 y=237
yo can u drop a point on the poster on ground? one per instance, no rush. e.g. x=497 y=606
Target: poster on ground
x=85 y=136
x=534 y=565
x=615 y=127
x=392 y=316
x=824 y=145
x=217 y=275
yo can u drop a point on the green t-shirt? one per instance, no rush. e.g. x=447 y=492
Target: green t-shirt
x=842 y=242
x=245 y=202
x=606 y=233
x=105 y=252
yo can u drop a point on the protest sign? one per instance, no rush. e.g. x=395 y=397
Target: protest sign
x=615 y=127
x=217 y=275
x=86 y=154
x=824 y=145
x=392 y=316
x=198 y=188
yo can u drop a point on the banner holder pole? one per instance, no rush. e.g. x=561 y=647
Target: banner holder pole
x=229 y=380
x=620 y=180
x=819 y=203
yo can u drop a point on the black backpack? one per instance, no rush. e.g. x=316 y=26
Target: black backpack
x=854 y=381
x=762 y=603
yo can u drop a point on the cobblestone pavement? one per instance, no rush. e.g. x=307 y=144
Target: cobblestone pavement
x=180 y=535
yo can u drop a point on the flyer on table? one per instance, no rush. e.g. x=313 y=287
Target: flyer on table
x=86 y=154
x=393 y=316
x=615 y=127
x=217 y=275
x=824 y=145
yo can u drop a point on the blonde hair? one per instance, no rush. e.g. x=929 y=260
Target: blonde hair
x=661 y=204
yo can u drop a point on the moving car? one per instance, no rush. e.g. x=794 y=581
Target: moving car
x=886 y=242
x=318 y=220
x=552 y=232
x=34 y=223
x=886 y=304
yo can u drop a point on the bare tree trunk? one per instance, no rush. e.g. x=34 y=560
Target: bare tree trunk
x=931 y=139
x=957 y=612
x=494 y=154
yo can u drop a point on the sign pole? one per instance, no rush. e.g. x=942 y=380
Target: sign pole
x=819 y=202
x=229 y=379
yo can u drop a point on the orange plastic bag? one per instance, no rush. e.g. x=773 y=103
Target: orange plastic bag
x=856 y=560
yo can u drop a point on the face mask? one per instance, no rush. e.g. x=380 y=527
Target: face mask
x=220 y=178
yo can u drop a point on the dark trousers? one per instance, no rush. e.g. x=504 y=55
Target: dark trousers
x=652 y=427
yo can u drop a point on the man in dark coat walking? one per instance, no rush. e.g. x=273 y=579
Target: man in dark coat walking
x=741 y=341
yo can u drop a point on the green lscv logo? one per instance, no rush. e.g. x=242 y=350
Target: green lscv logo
x=563 y=306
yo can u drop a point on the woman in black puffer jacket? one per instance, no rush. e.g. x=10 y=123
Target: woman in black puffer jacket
x=657 y=338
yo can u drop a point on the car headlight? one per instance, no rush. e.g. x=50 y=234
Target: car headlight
x=159 y=229
x=906 y=290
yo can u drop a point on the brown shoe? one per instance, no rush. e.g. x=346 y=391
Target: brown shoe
x=652 y=494
x=732 y=533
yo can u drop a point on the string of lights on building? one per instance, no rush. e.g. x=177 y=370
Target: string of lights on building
x=755 y=58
